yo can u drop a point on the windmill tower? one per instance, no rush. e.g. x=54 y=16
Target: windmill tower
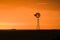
x=37 y=15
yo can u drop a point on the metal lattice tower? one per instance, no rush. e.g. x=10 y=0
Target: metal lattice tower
x=37 y=15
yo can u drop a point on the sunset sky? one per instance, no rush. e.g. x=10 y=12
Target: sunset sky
x=19 y=14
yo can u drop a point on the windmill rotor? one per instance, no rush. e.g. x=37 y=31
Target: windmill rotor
x=37 y=15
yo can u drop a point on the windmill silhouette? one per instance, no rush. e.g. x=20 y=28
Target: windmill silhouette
x=37 y=15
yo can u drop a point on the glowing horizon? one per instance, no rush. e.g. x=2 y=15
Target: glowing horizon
x=19 y=14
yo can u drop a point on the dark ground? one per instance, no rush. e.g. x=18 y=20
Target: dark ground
x=30 y=34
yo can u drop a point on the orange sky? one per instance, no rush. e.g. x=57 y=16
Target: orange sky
x=19 y=14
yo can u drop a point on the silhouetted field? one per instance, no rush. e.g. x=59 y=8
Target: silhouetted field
x=28 y=34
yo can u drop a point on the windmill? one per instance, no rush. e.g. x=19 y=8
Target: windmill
x=37 y=15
